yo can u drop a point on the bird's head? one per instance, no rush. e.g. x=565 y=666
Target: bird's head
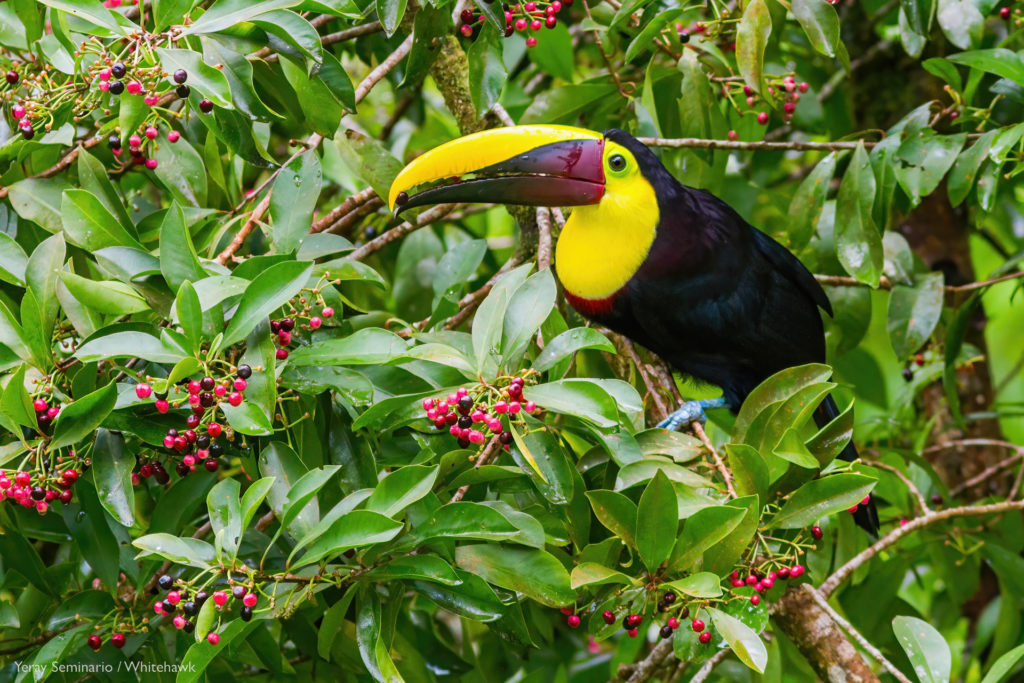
x=537 y=165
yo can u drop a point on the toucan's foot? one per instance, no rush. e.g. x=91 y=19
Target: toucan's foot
x=691 y=411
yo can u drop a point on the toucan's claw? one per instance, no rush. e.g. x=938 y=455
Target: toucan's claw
x=689 y=412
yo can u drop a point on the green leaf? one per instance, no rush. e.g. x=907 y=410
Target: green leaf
x=253 y=497
x=820 y=22
x=199 y=655
x=926 y=159
x=616 y=512
x=490 y=316
x=187 y=551
x=742 y=639
x=529 y=307
x=369 y=346
x=702 y=530
x=532 y=572
x=926 y=649
x=333 y=622
x=225 y=515
x=486 y=68
x=568 y=343
x=202 y=78
x=16 y=403
x=43 y=268
x=594 y=574
x=858 y=242
x=809 y=198
x=321 y=105
x=293 y=30
x=965 y=169
x=699 y=585
x=13 y=261
x=645 y=39
x=369 y=159
x=420 y=567
x=105 y=296
x=189 y=314
x=401 y=488
x=464 y=519
x=205 y=620
x=960 y=21
x=292 y=200
x=580 y=397
x=1004 y=665
x=80 y=418
x=549 y=465
x=226 y=13
x=778 y=388
x=91 y=533
x=998 y=61
x=89 y=225
x=914 y=312
x=357 y=529
x=751 y=40
x=821 y=498
x=39 y=200
x=167 y=12
x=267 y=292
x=304 y=490
x=391 y=13
x=182 y=171
x=657 y=522
x=98 y=15
x=749 y=470
x=127 y=344
x=112 y=474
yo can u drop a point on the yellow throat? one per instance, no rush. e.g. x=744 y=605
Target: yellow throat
x=603 y=245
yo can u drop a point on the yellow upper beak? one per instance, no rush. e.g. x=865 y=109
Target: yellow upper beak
x=480 y=150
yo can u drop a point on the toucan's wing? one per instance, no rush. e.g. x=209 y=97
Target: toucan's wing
x=790 y=266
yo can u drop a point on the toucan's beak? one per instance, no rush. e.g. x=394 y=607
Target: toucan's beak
x=527 y=165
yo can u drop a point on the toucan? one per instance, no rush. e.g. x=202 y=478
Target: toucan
x=671 y=267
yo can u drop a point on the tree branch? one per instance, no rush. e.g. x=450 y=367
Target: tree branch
x=646 y=667
x=383 y=69
x=350 y=204
x=705 y=670
x=854 y=633
x=490 y=451
x=913 y=525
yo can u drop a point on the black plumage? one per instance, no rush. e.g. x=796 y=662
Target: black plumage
x=720 y=300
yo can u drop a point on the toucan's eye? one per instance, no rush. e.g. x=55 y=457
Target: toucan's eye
x=617 y=162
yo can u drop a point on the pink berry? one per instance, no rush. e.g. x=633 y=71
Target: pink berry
x=150 y=100
x=573 y=621
x=240 y=384
x=520 y=24
x=220 y=598
x=194 y=387
x=789 y=107
x=281 y=354
x=179 y=621
x=315 y=322
x=501 y=407
x=477 y=416
x=327 y=312
x=531 y=42
x=159 y=607
x=151 y=132
x=151 y=164
x=235 y=398
x=104 y=74
x=529 y=406
x=250 y=599
x=673 y=623
x=213 y=638
x=134 y=87
x=174 y=597
x=762 y=118
x=697 y=625
x=104 y=86
x=513 y=407
x=476 y=436
x=39 y=405
x=173 y=136
x=466 y=30
x=428 y=403
x=143 y=390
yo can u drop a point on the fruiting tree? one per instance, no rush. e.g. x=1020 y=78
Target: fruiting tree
x=256 y=426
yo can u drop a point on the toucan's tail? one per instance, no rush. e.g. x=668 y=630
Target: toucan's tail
x=866 y=516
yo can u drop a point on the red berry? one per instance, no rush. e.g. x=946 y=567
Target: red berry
x=213 y=638
x=117 y=640
x=762 y=118
x=573 y=621
x=12 y=77
x=281 y=354
x=40 y=405
x=1004 y=12
x=697 y=625
x=162 y=406
x=315 y=322
x=250 y=599
x=220 y=598
x=632 y=633
x=151 y=164
x=235 y=398
x=327 y=312
x=608 y=616
x=205 y=106
x=817 y=533
x=673 y=623
x=69 y=476
x=143 y=390
x=95 y=642
x=240 y=384
x=466 y=30
x=704 y=638
x=22 y=478
x=213 y=429
x=755 y=599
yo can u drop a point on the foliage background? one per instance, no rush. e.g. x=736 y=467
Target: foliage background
x=894 y=179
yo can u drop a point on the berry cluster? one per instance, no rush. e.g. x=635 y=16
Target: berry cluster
x=182 y=604
x=764 y=582
x=41 y=97
x=301 y=308
x=39 y=490
x=197 y=441
x=524 y=17
x=469 y=414
x=45 y=413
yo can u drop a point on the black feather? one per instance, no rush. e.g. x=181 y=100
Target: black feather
x=720 y=300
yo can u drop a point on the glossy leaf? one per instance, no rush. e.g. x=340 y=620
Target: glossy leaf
x=926 y=649
x=858 y=243
x=751 y=40
x=533 y=572
x=657 y=522
x=820 y=498
x=747 y=645
x=268 y=291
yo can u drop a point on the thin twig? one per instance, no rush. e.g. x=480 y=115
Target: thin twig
x=645 y=668
x=705 y=670
x=267 y=54
x=913 y=525
x=543 y=238
x=426 y=218
x=350 y=219
x=383 y=69
x=916 y=492
x=820 y=600
x=250 y=223
x=350 y=204
x=493 y=446
x=987 y=472
x=698 y=429
x=651 y=383
x=886 y=283
x=63 y=162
